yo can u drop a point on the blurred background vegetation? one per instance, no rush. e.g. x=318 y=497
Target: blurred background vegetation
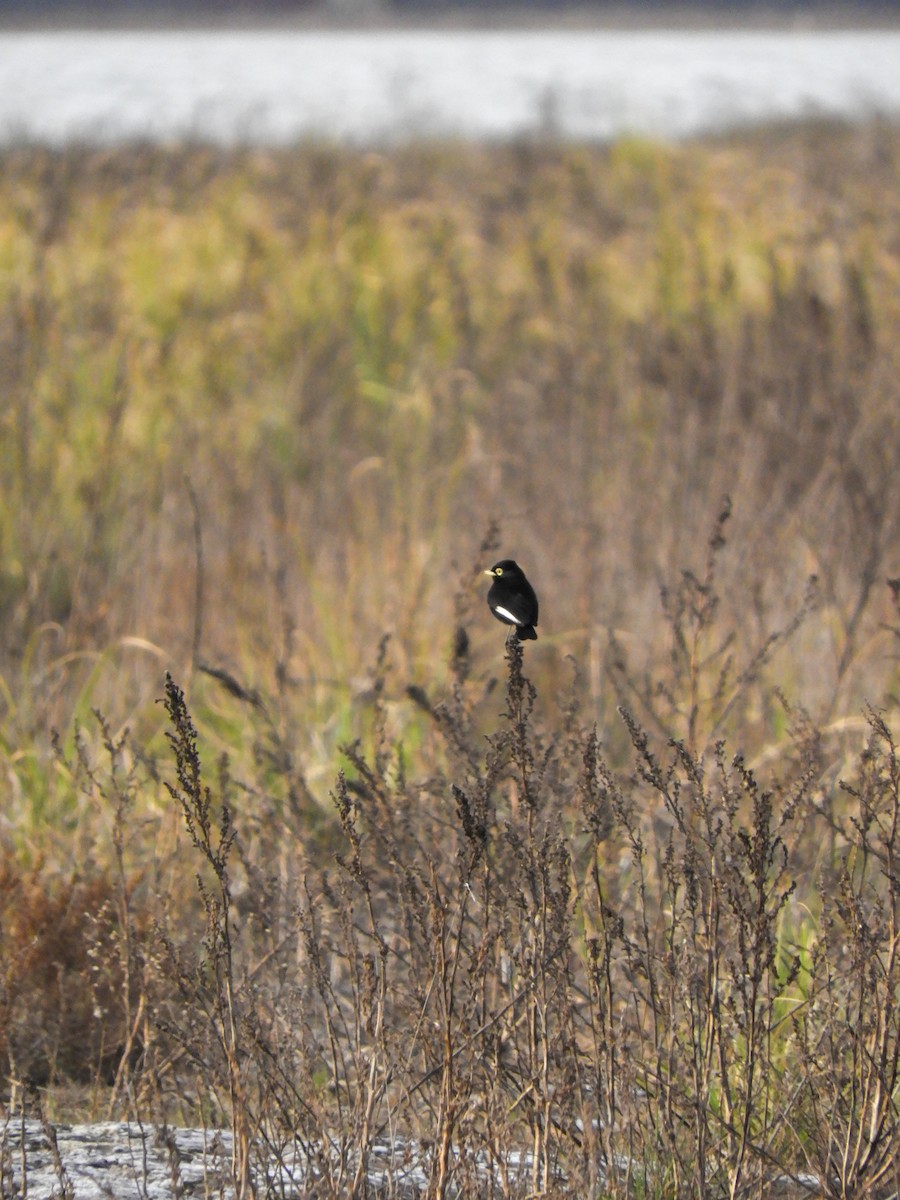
x=316 y=377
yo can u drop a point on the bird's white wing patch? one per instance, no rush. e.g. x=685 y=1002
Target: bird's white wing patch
x=507 y=615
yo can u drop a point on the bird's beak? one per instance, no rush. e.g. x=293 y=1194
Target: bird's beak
x=488 y=572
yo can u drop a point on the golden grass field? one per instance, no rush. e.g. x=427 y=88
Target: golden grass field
x=266 y=414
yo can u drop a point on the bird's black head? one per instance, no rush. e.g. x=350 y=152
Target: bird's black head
x=506 y=568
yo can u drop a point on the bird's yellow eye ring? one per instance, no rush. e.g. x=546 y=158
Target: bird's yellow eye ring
x=498 y=571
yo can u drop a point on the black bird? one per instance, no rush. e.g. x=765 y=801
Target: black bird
x=512 y=600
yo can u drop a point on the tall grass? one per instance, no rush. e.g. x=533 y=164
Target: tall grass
x=628 y=904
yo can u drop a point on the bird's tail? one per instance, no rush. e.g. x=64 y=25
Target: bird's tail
x=525 y=633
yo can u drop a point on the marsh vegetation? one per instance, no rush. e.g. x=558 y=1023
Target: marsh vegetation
x=289 y=843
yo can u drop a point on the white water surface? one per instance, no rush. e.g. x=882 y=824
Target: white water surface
x=369 y=87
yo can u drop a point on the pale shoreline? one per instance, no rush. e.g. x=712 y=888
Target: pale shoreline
x=382 y=87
